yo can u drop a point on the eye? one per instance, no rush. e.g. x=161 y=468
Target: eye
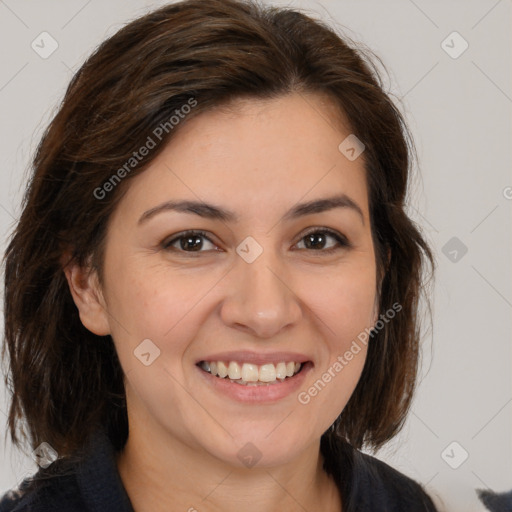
x=189 y=241
x=193 y=241
x=316 y=240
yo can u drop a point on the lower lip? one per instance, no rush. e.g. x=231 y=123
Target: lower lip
x=261 y=393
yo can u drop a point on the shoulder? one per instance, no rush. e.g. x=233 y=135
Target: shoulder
x=40 y=494
x=384 y=484
x=88 y=481
x=368 y=484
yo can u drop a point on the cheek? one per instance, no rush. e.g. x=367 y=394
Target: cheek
x=346 y=307
x=343 y=303
x=155 y=319
x=152 y=300
x=145 y=304
x=345 y=300
x=335 y=382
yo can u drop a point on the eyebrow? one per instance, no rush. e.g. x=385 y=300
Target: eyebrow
x=213 y=212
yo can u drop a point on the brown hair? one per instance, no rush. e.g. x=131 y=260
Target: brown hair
x=64 y=379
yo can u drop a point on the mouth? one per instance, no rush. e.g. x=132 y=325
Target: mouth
x=250 y=374
x=250 y=377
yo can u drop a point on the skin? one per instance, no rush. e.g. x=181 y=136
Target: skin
x=258 y=159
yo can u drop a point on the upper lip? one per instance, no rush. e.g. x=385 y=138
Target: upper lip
x=258 y=358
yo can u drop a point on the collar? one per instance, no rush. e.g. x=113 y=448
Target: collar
x=98 y=477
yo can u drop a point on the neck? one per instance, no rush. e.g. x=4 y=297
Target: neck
x=160 y=473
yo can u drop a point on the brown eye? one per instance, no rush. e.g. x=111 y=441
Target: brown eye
x=188 y=241
x=317 y=240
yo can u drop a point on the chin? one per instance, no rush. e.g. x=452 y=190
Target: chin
x=256 y=448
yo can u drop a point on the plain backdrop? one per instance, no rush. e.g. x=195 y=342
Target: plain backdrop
x=458 y=104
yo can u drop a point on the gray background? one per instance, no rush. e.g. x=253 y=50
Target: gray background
x=459 y=110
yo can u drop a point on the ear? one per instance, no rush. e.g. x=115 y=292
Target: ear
x=88 y=297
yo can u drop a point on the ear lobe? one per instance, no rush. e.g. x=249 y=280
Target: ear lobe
x=87 y=296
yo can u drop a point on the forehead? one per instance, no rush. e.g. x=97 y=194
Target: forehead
x=256 y=156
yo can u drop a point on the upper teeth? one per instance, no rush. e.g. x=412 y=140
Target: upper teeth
x=249 y=372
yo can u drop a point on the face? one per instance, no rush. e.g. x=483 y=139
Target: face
x=266 y=287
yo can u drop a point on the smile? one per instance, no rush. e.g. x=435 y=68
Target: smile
x=250 y=377
x=249 y=374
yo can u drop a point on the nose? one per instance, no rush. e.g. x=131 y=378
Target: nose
x=260 y=299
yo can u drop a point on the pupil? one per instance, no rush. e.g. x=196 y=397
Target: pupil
x=311 y=237
x=189 y=242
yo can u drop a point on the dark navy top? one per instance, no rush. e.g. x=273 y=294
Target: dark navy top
x=93 y=485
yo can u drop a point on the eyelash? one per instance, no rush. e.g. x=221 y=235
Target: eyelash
x=342 y=241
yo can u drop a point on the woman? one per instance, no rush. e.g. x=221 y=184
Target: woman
x=211 y=295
